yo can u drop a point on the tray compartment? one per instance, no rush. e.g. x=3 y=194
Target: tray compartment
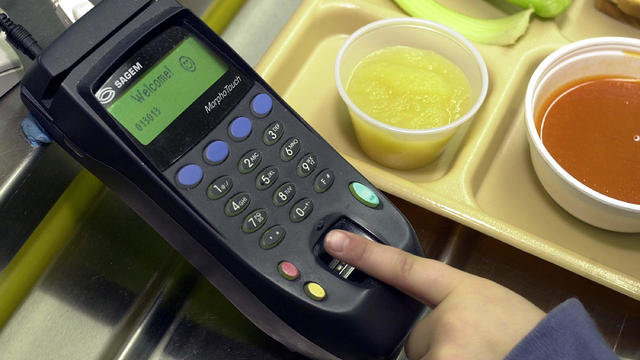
x=510 y=192
x=313 y=77
x=484 y=179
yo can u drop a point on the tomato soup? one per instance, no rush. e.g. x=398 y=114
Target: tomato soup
x=591 y=127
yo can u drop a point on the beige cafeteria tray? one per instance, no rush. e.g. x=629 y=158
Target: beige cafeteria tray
x=484 y=179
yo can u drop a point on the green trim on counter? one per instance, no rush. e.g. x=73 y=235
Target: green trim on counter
x=220 y=14
x=46 y=241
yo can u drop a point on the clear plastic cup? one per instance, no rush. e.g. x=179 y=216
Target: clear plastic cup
x=397 y=147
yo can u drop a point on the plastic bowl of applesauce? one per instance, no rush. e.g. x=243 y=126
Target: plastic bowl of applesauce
x=409 y=84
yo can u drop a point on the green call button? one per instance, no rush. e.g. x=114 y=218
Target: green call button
x=364 y=194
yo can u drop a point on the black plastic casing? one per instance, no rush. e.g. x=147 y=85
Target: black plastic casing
x=355 y=321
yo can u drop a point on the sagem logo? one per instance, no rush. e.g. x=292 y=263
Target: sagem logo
x=105 y=95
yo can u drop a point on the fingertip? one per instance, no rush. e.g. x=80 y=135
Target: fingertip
x=335 y=242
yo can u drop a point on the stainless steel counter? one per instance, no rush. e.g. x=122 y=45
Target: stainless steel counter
x=121 y=292
x=31 y=179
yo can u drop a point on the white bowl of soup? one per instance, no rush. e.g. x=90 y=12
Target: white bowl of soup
x=582 y=112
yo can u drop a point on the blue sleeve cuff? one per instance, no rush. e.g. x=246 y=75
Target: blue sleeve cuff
x=34 y=133
x=566 y=333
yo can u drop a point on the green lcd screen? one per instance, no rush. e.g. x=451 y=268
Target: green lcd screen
x=156 y=99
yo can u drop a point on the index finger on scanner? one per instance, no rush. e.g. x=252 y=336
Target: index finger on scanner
x=427 y=280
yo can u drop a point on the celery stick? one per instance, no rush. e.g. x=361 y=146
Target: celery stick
x=500 y=31
x=544 y=8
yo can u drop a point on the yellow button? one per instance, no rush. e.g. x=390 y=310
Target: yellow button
x=314 y=291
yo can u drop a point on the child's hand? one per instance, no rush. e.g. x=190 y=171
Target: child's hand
x=474 y=318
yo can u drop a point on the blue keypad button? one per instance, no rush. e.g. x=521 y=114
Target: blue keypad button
x=216 y=152
x=240 y=128
x=261 y=105
x=189 y=175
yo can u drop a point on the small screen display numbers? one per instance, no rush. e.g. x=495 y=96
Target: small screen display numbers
x=165 y=90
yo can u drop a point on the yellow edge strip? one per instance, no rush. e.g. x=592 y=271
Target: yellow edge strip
x=45 y=242
x=220 y=13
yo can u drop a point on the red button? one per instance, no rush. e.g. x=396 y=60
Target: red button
x=288 y=270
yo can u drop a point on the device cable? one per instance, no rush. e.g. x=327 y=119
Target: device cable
x=19 y=37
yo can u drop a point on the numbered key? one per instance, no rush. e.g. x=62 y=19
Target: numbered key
x=284 y=194
x=254 y=221
x=323 y=181
x=301 y=210
x=307 y=165
x=249 y=161
x=266 y=178
x=219 y=187
x=273 y=133
x=290 y=149
x=237 y=204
